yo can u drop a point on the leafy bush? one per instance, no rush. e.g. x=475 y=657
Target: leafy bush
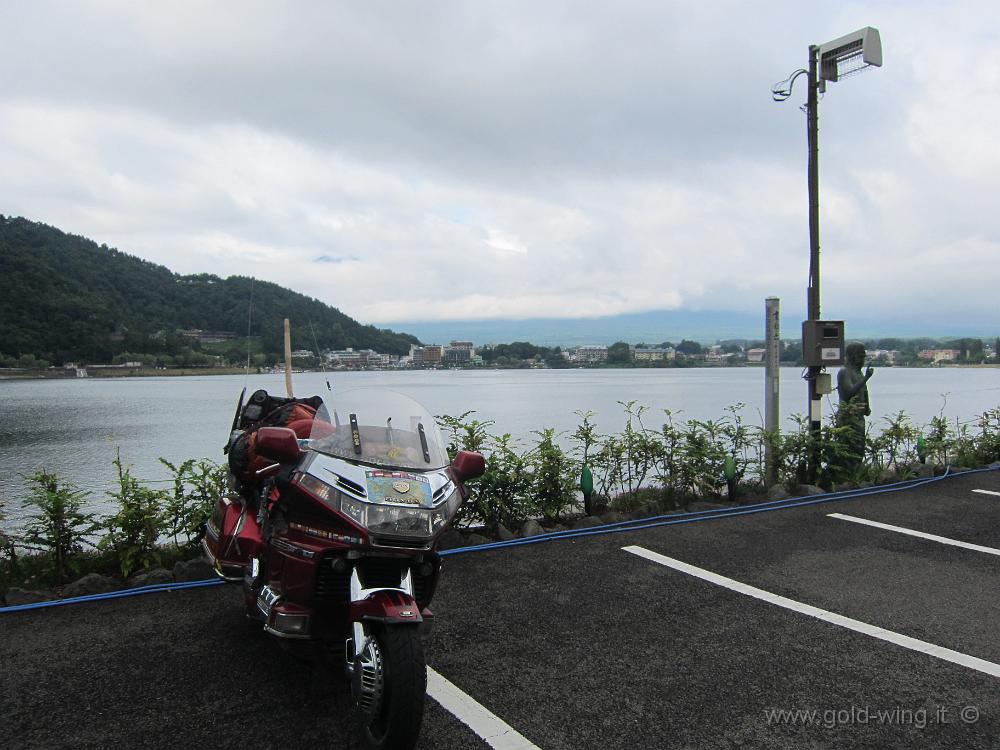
x=132 y=532
x=987 y=448
x=940 y=441
x=196 y=485
x=502 y=496
x=896 y=446
x=516 y=484
x=623 y=462
x=471 y=435
x=553 y=487
x=59 y=528
x=8 y=553
x=585 y=436
x=682 y=461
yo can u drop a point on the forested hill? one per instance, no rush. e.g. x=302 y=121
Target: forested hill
x=63 y=297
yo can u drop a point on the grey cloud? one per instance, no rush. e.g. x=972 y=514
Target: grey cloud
x=590 y=157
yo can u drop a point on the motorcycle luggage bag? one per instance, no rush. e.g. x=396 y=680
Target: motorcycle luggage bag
x=243 y=459
x=232 y=537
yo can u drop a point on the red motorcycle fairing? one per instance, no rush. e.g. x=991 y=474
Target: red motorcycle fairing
x=390 y=606
x=232 y=537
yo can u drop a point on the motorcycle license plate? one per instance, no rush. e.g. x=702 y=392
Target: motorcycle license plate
x=399 y=488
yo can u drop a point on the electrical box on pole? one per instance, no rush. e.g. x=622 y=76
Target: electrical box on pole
x=822 y=343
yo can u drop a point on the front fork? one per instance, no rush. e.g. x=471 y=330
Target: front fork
x=390 y=605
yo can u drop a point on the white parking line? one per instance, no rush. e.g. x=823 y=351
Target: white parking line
x=939 y=652
x=921 y=534
x=987 y=492
x=492 y=729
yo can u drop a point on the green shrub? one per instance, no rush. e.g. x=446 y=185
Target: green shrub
x=940 y=441
x=895 y=446
x=58 y=530
x=195 y=487
x=471 y=435
x=987 y=448
x=132 y=532
x=502 y=496
x=8 y=553
x=623 y=463
x=553 y=484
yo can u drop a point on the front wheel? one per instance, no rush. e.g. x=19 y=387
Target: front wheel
x=389 y=683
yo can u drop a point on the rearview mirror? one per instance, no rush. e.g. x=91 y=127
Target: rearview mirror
x=468 y=465
x=278 y=444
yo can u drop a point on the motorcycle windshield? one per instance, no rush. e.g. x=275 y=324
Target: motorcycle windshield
x=380 y=428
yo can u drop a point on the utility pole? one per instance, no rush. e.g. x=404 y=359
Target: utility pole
x=823 y=341
x=815 y=398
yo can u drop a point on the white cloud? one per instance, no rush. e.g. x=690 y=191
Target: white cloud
x=470 y=161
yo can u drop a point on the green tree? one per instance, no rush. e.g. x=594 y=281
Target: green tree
x=791 y=352
x=689 y=347
x=975 y=350
x=65 y=298
x=30 y=362
x=619 y=353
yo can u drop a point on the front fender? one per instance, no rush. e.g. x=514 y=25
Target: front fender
x=392 y=606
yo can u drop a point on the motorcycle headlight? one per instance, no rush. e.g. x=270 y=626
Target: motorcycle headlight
x=441 y=515
x=396 y=520
x=353 y=509
x=392 y=520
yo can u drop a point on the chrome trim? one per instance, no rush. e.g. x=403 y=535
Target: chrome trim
x=291 y=548
x=284 y=633
x=347 y=486
x=234 y=539
x=358 y=593
x=251 y=577
x=370 y=684
x=419 y=544
x=211 y=530
x=217 y=567
x=266 y=600
x=291 y=636
x=265 y=470
x=407 y=583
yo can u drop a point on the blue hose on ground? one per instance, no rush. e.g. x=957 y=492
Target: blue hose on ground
x=707 y=515
x=139 y=590
x=612 y=528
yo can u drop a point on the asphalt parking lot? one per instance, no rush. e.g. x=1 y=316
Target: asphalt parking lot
x=787 y=629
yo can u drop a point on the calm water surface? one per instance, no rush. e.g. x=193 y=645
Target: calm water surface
x=74 y=427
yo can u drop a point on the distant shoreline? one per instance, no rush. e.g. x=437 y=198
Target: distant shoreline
x=150 y=372
x=109 y=373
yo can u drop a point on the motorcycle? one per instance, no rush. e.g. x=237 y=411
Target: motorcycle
x=333 y=537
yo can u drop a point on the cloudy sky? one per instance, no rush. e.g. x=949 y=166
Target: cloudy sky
x=470 y=160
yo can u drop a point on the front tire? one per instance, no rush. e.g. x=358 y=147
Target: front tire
x=389 y=684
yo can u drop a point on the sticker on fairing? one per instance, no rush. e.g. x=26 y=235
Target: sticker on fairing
x=398 y=488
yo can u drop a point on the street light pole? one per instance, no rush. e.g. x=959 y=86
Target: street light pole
x=831 y=61
x=815 y=398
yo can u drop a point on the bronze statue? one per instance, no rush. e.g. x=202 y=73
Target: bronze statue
x=852 y=387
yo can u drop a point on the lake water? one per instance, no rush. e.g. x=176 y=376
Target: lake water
x=73 y=427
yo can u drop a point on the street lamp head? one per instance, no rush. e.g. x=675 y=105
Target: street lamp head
x=850 y=54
